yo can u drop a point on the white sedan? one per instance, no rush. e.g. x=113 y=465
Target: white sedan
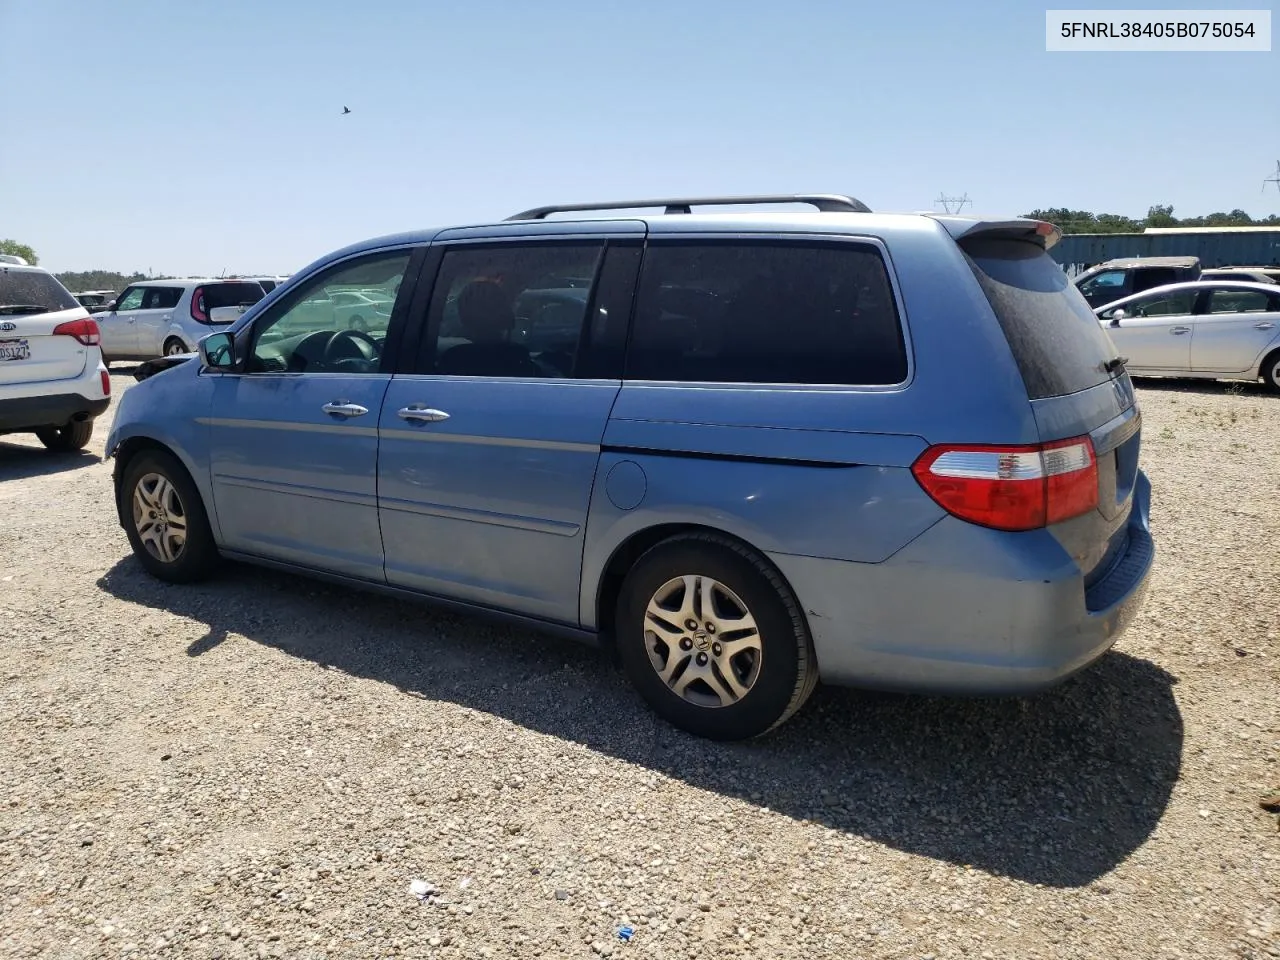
x=1214 y=329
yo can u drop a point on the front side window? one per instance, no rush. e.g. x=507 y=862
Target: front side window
x=512 y=310
x=308 y=333
x=131 y=299
x=1112 y=280
x=1227 y=300
x=1164 y=305
x=766 y=312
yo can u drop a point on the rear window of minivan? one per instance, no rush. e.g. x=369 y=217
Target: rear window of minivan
x=23 y=291
x=746 y=311
x=1059 y=346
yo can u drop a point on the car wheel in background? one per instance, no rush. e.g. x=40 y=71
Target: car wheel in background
x=165 y=519
x=74 y=436
x=1271 y=371
x=173 y=347
x=713 y=638
x=358 y=323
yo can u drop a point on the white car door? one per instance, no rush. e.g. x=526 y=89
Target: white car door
x=119 y=327
x=155 y=318
x=1154 y=331
x=1233 y=328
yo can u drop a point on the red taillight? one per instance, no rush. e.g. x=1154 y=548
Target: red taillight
x=85 y=331
x=106 y=382
x=1011 y=488
x=198 y=312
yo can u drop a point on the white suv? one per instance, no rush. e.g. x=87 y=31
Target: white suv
x=169 y=317
x=53 y=382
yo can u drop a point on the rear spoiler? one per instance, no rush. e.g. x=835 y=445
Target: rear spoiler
x=1037 y=231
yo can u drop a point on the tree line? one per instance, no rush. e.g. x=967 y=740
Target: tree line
x=1082 y=221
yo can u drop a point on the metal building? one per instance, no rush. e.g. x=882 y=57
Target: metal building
x=1215 y=246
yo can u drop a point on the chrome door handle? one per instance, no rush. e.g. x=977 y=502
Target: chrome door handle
x=343 y=408
x=1263 y=325
x=421 y=414
x=1178 y=331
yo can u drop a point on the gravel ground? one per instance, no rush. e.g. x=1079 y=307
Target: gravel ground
x=260 y=766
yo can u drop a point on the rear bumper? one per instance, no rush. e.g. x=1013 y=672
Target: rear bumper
x=967 y=611
x=30 y=413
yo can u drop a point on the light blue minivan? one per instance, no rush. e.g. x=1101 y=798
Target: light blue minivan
x=748 y=449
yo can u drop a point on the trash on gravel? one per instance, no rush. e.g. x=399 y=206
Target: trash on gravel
x=1271 y=802
x=626 y=933
x=464 y=883
x=422 y=889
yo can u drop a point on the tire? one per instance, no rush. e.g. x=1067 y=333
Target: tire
x=1270 y=371
x=168 y=488
x=173 y=346
x=773 y=680
x=74 y=436
x=357 y=323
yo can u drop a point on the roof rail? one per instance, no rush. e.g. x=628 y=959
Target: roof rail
x=826 y=202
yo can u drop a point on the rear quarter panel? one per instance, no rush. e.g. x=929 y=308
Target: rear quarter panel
x=816 y=472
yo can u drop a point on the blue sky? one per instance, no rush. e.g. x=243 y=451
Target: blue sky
x=194 y=137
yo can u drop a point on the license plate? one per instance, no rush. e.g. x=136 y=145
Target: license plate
x=15 y=350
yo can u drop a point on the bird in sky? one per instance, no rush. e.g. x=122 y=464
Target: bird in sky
x=345 y=111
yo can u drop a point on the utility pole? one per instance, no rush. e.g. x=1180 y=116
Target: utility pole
x=957 y=202
x=1274 y=178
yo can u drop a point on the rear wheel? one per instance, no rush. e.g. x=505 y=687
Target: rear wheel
x=173 y=347
x=1271 y=371
x=713 y=638
x=74 y=436
x=357 y=323
x=165 y=519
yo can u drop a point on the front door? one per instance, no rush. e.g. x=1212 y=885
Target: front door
x=489 y=448
x=152 y=322
x=119 y=327
x=1155 y=332
x=1233 y=326
x=294 y=438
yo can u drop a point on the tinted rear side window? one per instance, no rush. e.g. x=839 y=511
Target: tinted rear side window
x=1056 y=339
x=232 y=295
x=31 y=288
x=766 y=312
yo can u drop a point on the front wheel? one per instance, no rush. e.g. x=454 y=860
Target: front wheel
x=165 y=519
x=1271 y=371
x=74 y=436
x=713 y=638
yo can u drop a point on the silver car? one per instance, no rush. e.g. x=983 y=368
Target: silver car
x=168 y=317
x=1215 y=329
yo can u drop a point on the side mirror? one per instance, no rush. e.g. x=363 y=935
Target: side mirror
x=1117 y=316
x=111 y=307
x=218 y=352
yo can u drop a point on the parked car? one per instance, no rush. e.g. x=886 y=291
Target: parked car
x=268 y=283
x=156 y=317
x=53 y=382
x=883 y=450
x=1115 y=279
x=362 y=310
x=1216 y=329
x=95 y=301
x=1248 y=274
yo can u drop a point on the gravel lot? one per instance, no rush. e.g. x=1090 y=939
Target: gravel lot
x=260 y=766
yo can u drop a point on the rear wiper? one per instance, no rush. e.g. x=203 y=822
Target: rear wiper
x=12 y=309
x=1114 y=364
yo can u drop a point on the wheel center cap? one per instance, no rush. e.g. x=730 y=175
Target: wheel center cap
x=700 y=640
